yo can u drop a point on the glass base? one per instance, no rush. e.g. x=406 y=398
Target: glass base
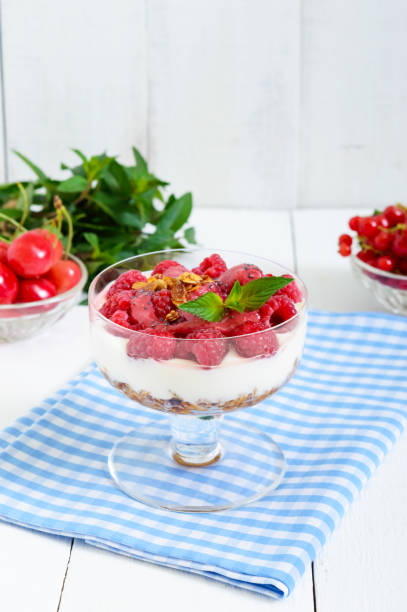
x=246 y=465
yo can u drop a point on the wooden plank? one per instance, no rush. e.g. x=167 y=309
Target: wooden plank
x=32 y=566
x=362 y=568
x=75 y=76
x=32 y=569
x=101 y=582
x=353 y=119
x=116 y=582
x=3 y=134
x=224 y=91
x=328 y=276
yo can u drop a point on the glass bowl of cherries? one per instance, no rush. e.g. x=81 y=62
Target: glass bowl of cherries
x=38 y=283
x=379 y=255
x=197 y=335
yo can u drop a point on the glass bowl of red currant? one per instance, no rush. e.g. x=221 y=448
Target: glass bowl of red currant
x=38 y=284
x=378 y=255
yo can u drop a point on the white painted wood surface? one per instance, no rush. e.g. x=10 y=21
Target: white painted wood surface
x=248 y=103
x=223 y=99
x=353 y=103
x=361 y=569
x=74 y=76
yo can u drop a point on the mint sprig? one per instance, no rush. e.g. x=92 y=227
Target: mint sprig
x=246 y=298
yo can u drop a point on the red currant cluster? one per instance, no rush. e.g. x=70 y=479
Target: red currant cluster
x=31 y=268
x=382 y=238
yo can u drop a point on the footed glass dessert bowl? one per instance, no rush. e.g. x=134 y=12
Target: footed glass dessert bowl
x=197 y=335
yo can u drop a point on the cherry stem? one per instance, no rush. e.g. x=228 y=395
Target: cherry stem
x=13 y=222
x=26 y=205
x=63 y=213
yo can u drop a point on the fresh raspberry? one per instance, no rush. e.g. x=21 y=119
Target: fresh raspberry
x=210 y=346
x=161 y=344
x=285 y=310
x=142 y=309
x=400 y=244
x=126 y=280
x=137 y=346
x=344 y=249
x=162 y=303
x=213 y=266
x=255 y=344
x=169 y=267
x=120 y=317
x=265 y=313
x=354 y=223
x=121 y=300
x=242 y=273
x=155 y=343
x=182 y=349
x=291 y=290
x=234 y=320
x=205 y=288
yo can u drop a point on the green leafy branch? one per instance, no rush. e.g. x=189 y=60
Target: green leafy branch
x=116 y=210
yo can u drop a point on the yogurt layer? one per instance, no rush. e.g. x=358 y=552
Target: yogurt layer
x=235 y=376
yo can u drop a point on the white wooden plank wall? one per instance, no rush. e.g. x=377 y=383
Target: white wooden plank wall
x=248 y=103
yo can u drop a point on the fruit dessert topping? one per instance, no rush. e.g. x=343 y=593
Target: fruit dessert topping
x=382 y=238
x=33 y=267
x=200 y=314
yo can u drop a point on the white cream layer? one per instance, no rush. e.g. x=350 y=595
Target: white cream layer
x=234 y=377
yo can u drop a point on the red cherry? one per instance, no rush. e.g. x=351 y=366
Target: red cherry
x=344 y=249
x=354 y=223
x=30 y=255
x=368 y=227
x=367 y=257
x=8 y=285
x=3 y=251
x=403 y=266
x=56 y=244
x=400 y=244
x=386 y=263
x=383 y=221
x=345 y=238
x=382 y=241
x=394 y=215
x=65 y=274
x=34 y=289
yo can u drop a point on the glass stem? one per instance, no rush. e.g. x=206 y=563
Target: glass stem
x=195 y=440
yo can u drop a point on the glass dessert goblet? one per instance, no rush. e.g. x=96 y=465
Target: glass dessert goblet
x=173 y=362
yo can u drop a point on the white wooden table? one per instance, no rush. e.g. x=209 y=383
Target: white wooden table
x=362 y=567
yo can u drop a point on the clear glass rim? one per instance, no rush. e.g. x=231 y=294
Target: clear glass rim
x=300 y=313
x=377 y=271
x=56 y=298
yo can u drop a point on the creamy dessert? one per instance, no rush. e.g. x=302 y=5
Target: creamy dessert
x=204 y=340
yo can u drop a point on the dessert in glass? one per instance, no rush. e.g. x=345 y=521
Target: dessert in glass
x=197 y=335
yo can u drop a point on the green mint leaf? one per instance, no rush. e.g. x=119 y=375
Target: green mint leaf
x=234 y=298
x=74 y=184
x=208 y=307
x=256 y=293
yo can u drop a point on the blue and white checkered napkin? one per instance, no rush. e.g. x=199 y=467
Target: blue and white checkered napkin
x=335 y=421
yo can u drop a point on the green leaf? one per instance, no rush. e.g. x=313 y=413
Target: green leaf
x=140 y=161
x=41 y=175
x=120 y=175
x=255 y=293
x=234 y=298
x=208 y=306
x=79 y=154
x=190 y=236
x=75 y=184
x=176 y=213
x=93 y=240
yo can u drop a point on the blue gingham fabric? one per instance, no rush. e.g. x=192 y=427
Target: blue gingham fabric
x=335 y=421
